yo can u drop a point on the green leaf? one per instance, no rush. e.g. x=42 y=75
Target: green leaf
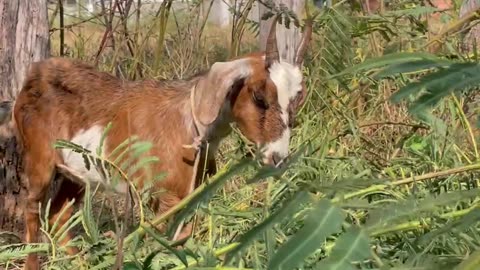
x=180 y=255
x=122 y=145
x=335 y=25
x=471 y=262
x=63 y=144
x=127 y=151
x=413 y=66
x=147 y=263
x=324 y=220
x=415 y=87
x=389 y=59
x=111 y=171
x=384 y=217
x=416 y=11
x=460 y=224
x=68 y=226
x=437 y=85
x=352 y=246
x=131 y=266
x=20 y=251
x=466 y=75
x=207 y=192
x=142 y=164
x=134 y=152
x=89 y=224
x=102 y=139
x=289 y=209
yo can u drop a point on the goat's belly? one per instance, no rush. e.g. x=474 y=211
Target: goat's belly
x=76 y=168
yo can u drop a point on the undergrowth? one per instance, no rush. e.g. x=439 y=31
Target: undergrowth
x=382 y=177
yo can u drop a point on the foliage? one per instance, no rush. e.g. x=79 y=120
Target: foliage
x=368 y=187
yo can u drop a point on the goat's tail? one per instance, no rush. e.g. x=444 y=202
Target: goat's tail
x=6 y=111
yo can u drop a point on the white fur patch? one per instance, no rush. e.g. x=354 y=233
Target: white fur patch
x=288 y=80
x=74 y=162
x=279 y=146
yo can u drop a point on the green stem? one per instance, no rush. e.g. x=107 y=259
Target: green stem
x=464 y=120
x=411 y=225
x=170 y=212
x=219 y=252
x=408 y=181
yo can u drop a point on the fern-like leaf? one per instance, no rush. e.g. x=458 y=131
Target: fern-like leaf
x=325 y=219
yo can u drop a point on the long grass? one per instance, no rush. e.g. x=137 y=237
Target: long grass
x=373 y=187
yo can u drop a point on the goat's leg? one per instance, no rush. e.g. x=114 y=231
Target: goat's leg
x=162 y=204
x=211 y=166
x=184 y=233
x=67 y=192
x=39 y=168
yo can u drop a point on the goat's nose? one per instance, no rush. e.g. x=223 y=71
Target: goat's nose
x=277 y=159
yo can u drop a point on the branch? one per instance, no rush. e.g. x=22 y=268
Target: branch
x=393 y=124
x=454 y=27
x=409 y=180
x=77 y=23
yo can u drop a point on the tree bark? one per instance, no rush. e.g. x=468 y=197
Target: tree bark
x=471 y=38
x=24 y=38
x=287 y=39
x=219 y=13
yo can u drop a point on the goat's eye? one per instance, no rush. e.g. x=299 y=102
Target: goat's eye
x=259 y=100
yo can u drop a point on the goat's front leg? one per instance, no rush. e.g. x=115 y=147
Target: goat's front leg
x=162 y=204
x=39 y=168
x=211 y=166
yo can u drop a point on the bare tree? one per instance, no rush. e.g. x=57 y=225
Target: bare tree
x=24 y=38
x=288 y=39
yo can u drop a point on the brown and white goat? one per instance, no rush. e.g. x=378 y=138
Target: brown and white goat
x=66 y=99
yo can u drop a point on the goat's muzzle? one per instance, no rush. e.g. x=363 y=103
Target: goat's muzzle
x=275 y=160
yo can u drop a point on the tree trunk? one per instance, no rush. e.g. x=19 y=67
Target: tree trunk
x=24 y=38
x=471 y=38
x=219 y=13
x=287 y=39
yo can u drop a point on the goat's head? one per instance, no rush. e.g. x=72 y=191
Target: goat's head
x=260 y=92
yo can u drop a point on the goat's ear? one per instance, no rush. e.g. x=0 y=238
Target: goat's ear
x=211 y=91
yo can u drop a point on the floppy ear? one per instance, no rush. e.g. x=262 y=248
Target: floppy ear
x=212 y=90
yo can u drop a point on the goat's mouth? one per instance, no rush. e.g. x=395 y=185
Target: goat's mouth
x=274 y=160
x=268 y=158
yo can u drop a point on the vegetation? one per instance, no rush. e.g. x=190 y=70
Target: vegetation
x=384 y=173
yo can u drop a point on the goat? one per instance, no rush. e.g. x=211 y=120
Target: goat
x=70 y=100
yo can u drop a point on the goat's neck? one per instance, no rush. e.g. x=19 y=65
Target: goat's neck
x=215 y=132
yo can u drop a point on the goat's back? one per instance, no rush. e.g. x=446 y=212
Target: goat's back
x=67 y=99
